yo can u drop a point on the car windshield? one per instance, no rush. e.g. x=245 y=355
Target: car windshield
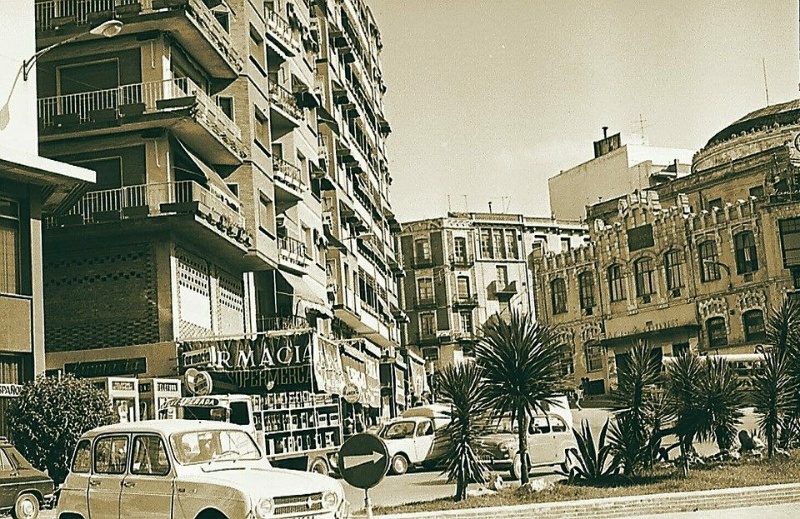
x=398 y=430
x=210 y=446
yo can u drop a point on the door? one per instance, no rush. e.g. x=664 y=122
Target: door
x=423 y=440
x=539 y=440
x=110 y=461
x=147 y=488
x=9 y=478
x=562 y=437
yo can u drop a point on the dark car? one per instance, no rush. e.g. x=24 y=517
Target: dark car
x=23 y=489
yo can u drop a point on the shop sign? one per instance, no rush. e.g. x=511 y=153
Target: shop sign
x=198 y=382
x=261 y=352
x=273 y=379
x=328 y=366
x=354 y=369
x=351 y=394
x=122 y=385
x=10 y=390
x=168 y=387
x=201 y=357
x=197 y=401
x=107 y=368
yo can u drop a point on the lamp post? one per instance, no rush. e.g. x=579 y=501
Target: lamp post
x=724 y=266
x=108 y=29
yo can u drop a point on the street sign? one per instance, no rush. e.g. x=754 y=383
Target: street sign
x=198 y=383
x=363 y=460
x=351 y=393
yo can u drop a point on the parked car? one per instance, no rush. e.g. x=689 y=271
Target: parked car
x=411 y=441
x=169 y=469
x=23 y=489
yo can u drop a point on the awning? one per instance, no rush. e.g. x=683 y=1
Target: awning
x=215 y=182
x=324 y=116
x=308 y=298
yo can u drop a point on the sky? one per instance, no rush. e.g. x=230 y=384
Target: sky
x=487 y=99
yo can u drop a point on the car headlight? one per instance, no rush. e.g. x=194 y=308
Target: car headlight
x=330 y=500
x=265 y=507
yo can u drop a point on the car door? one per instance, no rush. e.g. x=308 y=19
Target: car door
x=109 y=465
x=539 y=441
x=26 y=477
x=147 y=490
x=423 y=440
x=562 y=438
x=9 y=484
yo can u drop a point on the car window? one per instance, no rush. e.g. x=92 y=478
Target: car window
x=539 y=425
x=398 y=431
x=111 y=455
x=208 y=446
x=5 y=463
x=557 y=424
x=81 y=462
x=16 y=458
x=149 y=456
x=424 y=429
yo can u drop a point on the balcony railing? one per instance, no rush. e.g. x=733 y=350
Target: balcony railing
x=292 y=252
x=138 y=99
x=287 y=173
x=465 y=300
x=424 y=302
x=461 y=260
x=272 y=324
x=281 y=30
x=285 y=100
x=145 y=199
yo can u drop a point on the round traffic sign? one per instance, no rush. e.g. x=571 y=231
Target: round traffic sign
x=198 y=382
x=363 y=460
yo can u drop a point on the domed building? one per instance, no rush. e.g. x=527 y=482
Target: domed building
x=693 y=264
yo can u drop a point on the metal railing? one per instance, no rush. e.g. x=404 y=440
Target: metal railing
x=281 y=29
x=291 y=322
x=151 y=196
x=86 y=104
x=292 y=248
x=285 y=100
x=287 y=173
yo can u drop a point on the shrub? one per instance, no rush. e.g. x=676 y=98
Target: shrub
x=49 y=417
x=590 y=462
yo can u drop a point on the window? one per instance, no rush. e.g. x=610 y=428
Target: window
x=754 y=329
x=266 y=218
x=497 y=243
x=111 y=455
x=261 y=128
x=557 y=425
x=465 y=319
x=565 y=244
x=511 y=244
x=643 y=269
x=558 y=295
x=709 y=263
x=225 y=104
x=717 y=333
x=427 y=324
x=796 y=278
x=640 y=237
x=430 y=353
x=586 y=290
x=223 y=19
x=757 y=191
x=5 y=463
x=502 y=277
x=257 y=49
x=672 y=268
x=711 y=204
x=745 y=247
x=790 y=241
x=10 y=247
x=460 y=249
x=594 y=357
x=463 y=287
x=616 y=286
x=82 y=460
x=486 y=244
x=149 y=456
x=425 y=289
x=422 y=249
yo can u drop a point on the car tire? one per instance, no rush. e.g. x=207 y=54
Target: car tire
x=26 y=507
x=399 y=464
x=320 y=466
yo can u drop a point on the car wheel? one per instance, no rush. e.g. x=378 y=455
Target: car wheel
x=399 y=464
x=516 y=467
x=26 y=507
x=320 y=466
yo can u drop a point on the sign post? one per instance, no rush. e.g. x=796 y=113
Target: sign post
x=363 y=462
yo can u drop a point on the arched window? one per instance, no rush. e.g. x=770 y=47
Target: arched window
x=586 y=291
x=745 y=246
x=673 y=260
x=558 y=294
x=709 y=261
x=616 y=286
x=717 y=332
x=643 y=268
x=754 y=329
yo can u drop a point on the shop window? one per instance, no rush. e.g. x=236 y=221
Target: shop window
x=754 y=329
x=796 y=277
x=745 y=247
x=10 y=247
x=558 y=295
x=709 y=261
x=586 y=291
x=643 y=269
x=616 y=284
x=425 y=290
x=427 y=324
x=673 y=261
x=680 y=349
x=717 y=332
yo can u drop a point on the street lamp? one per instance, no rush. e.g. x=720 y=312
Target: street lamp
x=108 y=29
x=725 y=267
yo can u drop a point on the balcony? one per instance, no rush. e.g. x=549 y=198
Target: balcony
x=190 y=22
x=421 y=263
x=462 y=261
x=424 y=302
x=152 y=202
x=178 y=103
x=286 y=114
x=280 y=32
x=503 y=291
x=292 y=255
x=281 y=324
x=288 y=179
x=465 y=301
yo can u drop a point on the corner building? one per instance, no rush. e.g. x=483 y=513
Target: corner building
x=694 y=264
x=243 y=189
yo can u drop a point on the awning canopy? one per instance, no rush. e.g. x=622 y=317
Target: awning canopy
x=307 y=299
x=215 y=182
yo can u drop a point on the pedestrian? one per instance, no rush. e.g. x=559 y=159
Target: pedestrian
x=578 y=396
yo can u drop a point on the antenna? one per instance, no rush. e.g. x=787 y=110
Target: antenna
x=766 y=85
x=448 y=204
x=466 y=210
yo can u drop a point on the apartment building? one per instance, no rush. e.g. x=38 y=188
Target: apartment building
x=242 y=179
x=466 y=267
x=694 y=264
x=31 y=187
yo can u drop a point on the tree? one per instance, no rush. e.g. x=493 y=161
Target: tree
x=50 y=416
x=521 y=371
x=773 y=392
x=460 y=386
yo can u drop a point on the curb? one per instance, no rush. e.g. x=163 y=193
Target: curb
x=649 y=504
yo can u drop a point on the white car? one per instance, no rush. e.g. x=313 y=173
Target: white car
x=182 y=469
x=411 y=441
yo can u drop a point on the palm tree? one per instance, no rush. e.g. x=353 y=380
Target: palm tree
x=521 y=371
x=773 y=392
x=460 y=386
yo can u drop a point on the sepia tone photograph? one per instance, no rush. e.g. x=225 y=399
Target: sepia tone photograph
x=399 y=259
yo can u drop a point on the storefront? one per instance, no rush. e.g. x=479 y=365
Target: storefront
x=123 y=393
x=393 y=386
x=418 y=391
x=155 y=393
